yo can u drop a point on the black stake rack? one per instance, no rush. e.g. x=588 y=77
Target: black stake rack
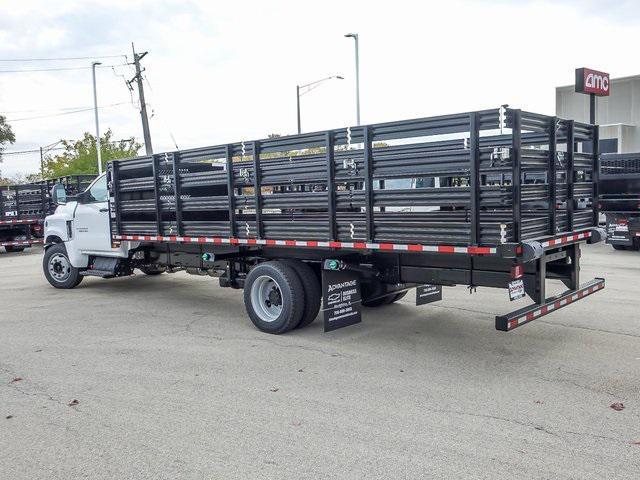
x=471 y=179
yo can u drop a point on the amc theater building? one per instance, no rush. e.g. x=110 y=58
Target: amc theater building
x=618 y=114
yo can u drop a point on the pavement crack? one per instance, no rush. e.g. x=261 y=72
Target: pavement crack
x=576 y=384
x=593 y=435
x=534 y=426
x=17 y=386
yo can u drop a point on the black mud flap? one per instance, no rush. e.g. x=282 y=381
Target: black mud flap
x=341 y=300
x=428 y=294
x=518 y=318
x=618 y=230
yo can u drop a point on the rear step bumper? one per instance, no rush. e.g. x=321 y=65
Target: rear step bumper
x=515 y=319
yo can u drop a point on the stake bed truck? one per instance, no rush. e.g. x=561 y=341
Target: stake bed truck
x=348 y=217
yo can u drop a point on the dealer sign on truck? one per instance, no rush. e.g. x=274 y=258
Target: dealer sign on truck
x=592 y=82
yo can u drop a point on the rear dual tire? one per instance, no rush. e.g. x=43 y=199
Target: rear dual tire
x=11 y=249
x=281 y=295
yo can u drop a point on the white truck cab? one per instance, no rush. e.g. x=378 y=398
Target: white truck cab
x=78 y=229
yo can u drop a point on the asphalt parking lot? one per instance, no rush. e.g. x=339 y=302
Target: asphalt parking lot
x=165 y=377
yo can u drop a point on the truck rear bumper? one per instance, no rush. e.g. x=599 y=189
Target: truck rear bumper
x=517 y=318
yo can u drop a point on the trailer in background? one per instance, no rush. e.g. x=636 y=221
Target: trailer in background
x=23 y=209
x=619 y=200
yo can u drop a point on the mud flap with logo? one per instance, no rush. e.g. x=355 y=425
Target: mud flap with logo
x=341 y=300
x=428 y=293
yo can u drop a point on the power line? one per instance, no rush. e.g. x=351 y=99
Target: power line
x=59 y=69
x=24 y=152
x=42 y=110
x=79 y=110
x=55 y=59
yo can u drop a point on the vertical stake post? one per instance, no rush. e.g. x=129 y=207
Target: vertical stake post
x=331 y=187
x=175 y=161
x=258 y=188
x=571 y=145
x=516 y=175
x=368 y=182
x=551 y=175
x=474 y=178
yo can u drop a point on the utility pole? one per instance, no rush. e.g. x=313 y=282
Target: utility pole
x=143 y=106
x=41 y=163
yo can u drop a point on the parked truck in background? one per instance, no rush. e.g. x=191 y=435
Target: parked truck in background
x=23 y=208
x=619 y=200
x=349 y=217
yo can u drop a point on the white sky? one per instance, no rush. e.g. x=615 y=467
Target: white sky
x=223 y=71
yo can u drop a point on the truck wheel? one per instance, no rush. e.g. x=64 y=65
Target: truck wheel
x=58 y=269
x=152 y=270
x=274 y=297
x=12 y=249
x=618 y=247
x=312 y=291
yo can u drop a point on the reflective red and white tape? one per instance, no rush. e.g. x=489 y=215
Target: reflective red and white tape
x=20 y=243
x=14 y=222
x=568 y=239
x=312 y=244
x=516 y=322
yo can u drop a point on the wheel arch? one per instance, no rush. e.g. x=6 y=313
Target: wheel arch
x=51 y=240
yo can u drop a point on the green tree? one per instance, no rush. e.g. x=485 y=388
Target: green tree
x=6 y=134
x=79 y=156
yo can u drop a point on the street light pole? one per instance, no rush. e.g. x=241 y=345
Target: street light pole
x=355 y=38
x=95 y=107
x=310 y=86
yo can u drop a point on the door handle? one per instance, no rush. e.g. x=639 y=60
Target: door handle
x=104 y=210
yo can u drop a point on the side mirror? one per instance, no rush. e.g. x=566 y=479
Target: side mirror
x=59 y=194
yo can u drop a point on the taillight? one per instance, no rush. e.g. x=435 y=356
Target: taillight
x=622 y=221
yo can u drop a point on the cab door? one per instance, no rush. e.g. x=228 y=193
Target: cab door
x=91 y=219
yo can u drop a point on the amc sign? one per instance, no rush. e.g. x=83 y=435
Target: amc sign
x=592 y=82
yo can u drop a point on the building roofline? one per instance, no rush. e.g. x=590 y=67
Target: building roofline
x=613 y=80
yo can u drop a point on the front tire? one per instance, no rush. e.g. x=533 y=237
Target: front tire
x=274 y=297
x=58 y=269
